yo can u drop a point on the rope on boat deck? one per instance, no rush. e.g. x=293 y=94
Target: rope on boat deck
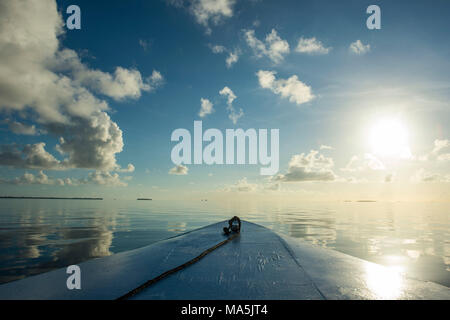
x=234 y=226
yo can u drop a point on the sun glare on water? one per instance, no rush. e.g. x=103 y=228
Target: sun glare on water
x=384 y=282
x=389 y=138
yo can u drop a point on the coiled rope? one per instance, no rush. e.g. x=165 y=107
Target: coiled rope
x=232 y=228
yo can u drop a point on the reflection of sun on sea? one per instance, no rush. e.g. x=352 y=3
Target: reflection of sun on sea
x=384 y=282
x=389 y=138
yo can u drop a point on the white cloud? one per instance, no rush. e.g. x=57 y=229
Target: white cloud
x=232 y=58
x=98 y=177
x=242 y=186
x=32 y=156
x=155 y=80
x=311 y=46
x=91 y=143
x=217 y=49
x=124 y=83
x=37 y=73
x=207 y=12
x=29 y=178
x=130 y=168
x=359 y=48
x=229 y=94
x=104 y=178
x=21 y=128
x=441 y=150
x=179 y=170
x=367 y=162
x=291 y=88
x=440 y=145
x=67 y=182
x=273 y=46
x=325 y=147
x=273 y=186
x=308 y=167
x=422 y=176
x=233 y=115
x=206 y=108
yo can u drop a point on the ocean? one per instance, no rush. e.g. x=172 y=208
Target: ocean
x=41 y=235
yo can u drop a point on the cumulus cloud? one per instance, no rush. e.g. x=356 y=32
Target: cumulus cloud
x=366 y=162
x=39 y=178
x=38 y=74
x=29 y=178
x=104 y=178
x=233 y=55
x=273 y=186
x=422 y=176
x=20 y=128
x=130 y=168
x=325 y=147
x=98 y=178
x=227 y=92
x=291 y=88
x=359 y=48
x=179 y=170
x=207 y=12
x=217 y=49
x=233 y=115
x=308 y=167
x=124 y=83
x=206 y=108
x=33 y=156
x=242 y=186
x=311 y=46
x=232 y=58
x=273 y=46
x=440 y=152
x=90 y=143
x=155 y=80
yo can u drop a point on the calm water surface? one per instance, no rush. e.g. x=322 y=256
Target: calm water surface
x=40 y=235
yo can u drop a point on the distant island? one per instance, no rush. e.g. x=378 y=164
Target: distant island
x=50 y=198
x=143 y=199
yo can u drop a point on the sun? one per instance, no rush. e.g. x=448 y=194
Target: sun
x=389 y=138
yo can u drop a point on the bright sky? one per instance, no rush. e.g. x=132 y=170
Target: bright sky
x=362 y=114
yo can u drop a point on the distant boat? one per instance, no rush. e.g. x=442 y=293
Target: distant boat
x=144 y=199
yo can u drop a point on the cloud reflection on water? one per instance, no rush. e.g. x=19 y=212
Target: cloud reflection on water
x=37 y=236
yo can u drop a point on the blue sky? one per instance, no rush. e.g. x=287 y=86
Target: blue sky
x=173 y=54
